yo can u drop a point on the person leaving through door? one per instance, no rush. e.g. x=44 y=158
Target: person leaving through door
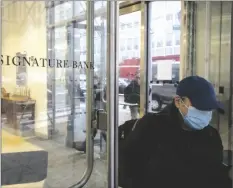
x=176 y=147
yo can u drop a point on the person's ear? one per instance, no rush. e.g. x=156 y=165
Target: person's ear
x=177 y=101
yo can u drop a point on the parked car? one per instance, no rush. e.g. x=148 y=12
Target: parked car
x=162 y=94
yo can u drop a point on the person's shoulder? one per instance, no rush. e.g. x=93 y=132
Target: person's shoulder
x=163 y=115
x=212 y=135
x=211 y=131
x=155 y=120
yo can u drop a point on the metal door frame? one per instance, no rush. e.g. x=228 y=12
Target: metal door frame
x=149 y=60
x=126 y=8
x=112 y=92
x=144 y=59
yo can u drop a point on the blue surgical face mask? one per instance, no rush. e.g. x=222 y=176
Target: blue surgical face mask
x=197 y=119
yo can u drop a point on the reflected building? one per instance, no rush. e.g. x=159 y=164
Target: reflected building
x=164 y=44
x=165 y=40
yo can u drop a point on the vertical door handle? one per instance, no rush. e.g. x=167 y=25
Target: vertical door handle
x=90 y=81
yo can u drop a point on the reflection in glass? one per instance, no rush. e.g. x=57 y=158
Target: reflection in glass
x=129 y=64
x=63 y=11
x=165 y=52
x=99 y=175
x=46 y=117
x=169 y=39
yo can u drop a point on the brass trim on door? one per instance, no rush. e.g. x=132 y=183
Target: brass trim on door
x=130 y=9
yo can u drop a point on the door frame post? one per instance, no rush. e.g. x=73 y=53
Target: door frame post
x=112 y=92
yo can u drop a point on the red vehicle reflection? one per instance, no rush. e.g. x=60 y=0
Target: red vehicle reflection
x=165 y=75
x=129 y=67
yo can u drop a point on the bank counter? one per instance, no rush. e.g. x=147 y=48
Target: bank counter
x=24 y=165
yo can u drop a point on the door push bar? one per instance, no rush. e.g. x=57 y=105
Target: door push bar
x=112 y=92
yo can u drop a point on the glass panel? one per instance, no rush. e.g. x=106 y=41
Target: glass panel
x=62 y=105
x=44 y=93
x=50 y=80
x=129 y=65
x=165 y=54
x=99 y=175
x=78 y=87
x=63 y=11
x=80 y=8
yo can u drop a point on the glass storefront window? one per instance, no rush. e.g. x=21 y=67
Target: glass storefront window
x=177 y=37
x=169 y=40
x=164 y=53
x=44 y=104
x=79 y=8
x=63 y=11
x=129 y=60
x=169 y=17
x=44 y=78
x=159 y=43
x=129 y=43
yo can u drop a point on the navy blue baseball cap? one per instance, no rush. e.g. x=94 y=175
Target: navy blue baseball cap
x=200 y=92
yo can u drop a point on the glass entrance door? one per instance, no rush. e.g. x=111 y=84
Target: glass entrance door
x=45 y=106
x=53 y=85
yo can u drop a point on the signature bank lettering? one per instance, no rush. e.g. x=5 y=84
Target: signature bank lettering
x=44 y=62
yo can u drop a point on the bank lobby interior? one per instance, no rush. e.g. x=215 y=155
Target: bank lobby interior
x=41 y=109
